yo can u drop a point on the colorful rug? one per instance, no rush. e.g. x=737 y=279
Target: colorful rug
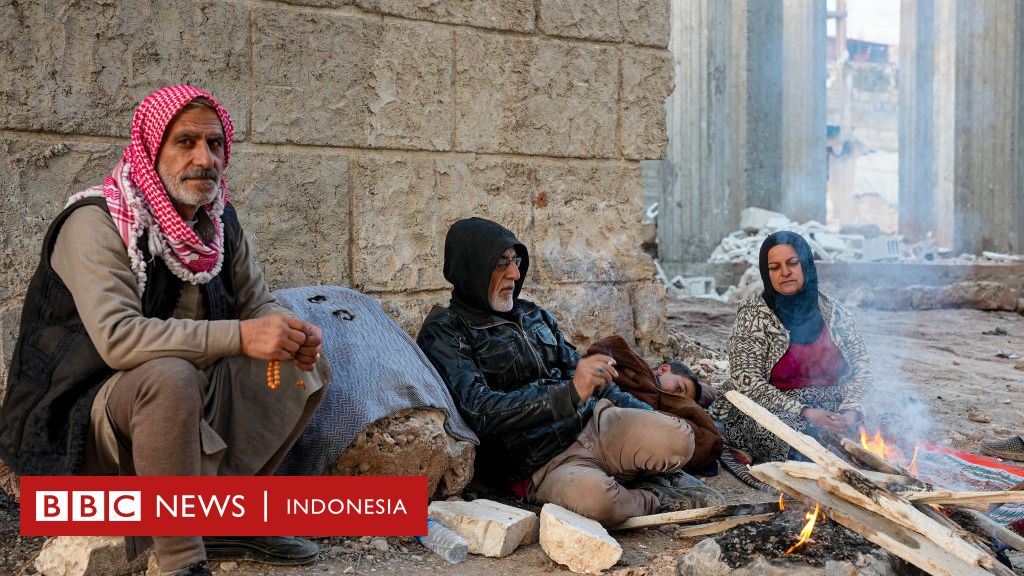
x=969 y=472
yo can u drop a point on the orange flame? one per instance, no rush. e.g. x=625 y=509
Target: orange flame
x=876 y=445
x=913 y=463
x=805 y=534
x=781 y=505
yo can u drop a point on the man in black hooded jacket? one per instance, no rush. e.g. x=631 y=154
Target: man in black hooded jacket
x=553 y=427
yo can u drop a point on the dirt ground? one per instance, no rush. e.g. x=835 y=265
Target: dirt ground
x=933 y=366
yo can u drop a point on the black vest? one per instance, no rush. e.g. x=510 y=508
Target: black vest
x=56 y=371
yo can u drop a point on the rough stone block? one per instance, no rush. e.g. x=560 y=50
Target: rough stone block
x=410 y=443
x=592 y=19
x=351 y=80
x=507 y=15
x=586 y=312
x=404 y=204
x=87 y=556
x=83 y=67
x=410 y=311
x=577 y=542
x=490 y=528
x=587 y=223
x=535 y=96
x=646 y=83
x=295 y=209
x=979 y=295
x=10 y=317
x=649 y=303
x=645 y=22
x=642 y=22
x=9 y=482
x=39 y=175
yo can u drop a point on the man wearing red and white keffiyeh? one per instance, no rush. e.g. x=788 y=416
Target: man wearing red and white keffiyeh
x=154 y=338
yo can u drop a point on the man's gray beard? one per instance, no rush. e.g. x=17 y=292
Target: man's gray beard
x=182 y=194
x=501 y=304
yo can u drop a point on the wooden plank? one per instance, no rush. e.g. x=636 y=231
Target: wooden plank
x=908 y=545
x=987 y=527
x=811 y=471
x=720 y=526
x=910 y=519
x=960 y=498
x=696 y=514
x=854 y=485
x=870 y=459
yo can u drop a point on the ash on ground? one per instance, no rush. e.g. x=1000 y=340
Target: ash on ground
x=771 y=539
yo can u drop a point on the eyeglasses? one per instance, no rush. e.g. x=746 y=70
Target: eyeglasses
x=504 y=261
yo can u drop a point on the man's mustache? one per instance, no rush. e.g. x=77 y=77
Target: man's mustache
x=201 y=173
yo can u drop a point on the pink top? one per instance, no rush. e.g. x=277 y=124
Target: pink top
x=807 y=365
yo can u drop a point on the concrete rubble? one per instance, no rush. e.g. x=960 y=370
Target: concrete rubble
x=410 y=443
x=579 y=543
x=87 y=556
x=756 y=224
x=490 y=528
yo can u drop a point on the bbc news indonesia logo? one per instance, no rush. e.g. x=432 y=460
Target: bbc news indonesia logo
x=222 y=506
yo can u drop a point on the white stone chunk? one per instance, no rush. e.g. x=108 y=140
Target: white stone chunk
x=490 y=528
x=577 y=542
x=86 y=556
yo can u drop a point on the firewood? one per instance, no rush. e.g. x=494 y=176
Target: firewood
x=811 y=471
x=912 y=519
x=870 y=459
x=908 y=545
x=720 y=526
x=688 y=516
x=946 y=497
x=987 y=528
x=855 y=487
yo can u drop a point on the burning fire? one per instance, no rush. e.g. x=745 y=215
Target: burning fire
x=781 y=505
x=887 y=451
x=805 y=534
x=876 y=445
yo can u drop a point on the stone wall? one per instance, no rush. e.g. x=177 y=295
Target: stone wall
x=363 y=130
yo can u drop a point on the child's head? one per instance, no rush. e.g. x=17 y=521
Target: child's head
x=677 y=378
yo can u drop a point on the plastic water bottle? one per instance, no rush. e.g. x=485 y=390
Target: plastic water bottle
x=444 y=542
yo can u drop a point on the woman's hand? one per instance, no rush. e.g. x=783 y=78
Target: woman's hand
x=835 y=422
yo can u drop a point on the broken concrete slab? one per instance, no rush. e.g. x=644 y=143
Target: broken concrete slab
x=579 y=543
x=490 y=528
x=756 y=219
x=87 y=556
x=983 y=295
x=410 y=442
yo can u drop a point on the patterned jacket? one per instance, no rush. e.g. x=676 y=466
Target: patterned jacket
x=759 y=341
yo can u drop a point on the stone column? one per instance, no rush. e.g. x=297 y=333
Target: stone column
x=987 y=185
x=917 y=119
x=763 y=46
x=696 y=211
x=803 y=109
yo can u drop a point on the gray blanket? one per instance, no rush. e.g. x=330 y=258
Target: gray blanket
x=377 y=370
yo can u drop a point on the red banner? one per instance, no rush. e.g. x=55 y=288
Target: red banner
x=223 y=505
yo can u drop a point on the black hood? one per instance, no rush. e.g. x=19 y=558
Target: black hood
x=471 y=250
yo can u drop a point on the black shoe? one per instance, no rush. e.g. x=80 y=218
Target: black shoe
x=280 y=550
x=675 y=498
x=197 y=569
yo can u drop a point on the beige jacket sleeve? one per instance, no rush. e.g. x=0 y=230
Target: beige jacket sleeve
x=91 y=260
